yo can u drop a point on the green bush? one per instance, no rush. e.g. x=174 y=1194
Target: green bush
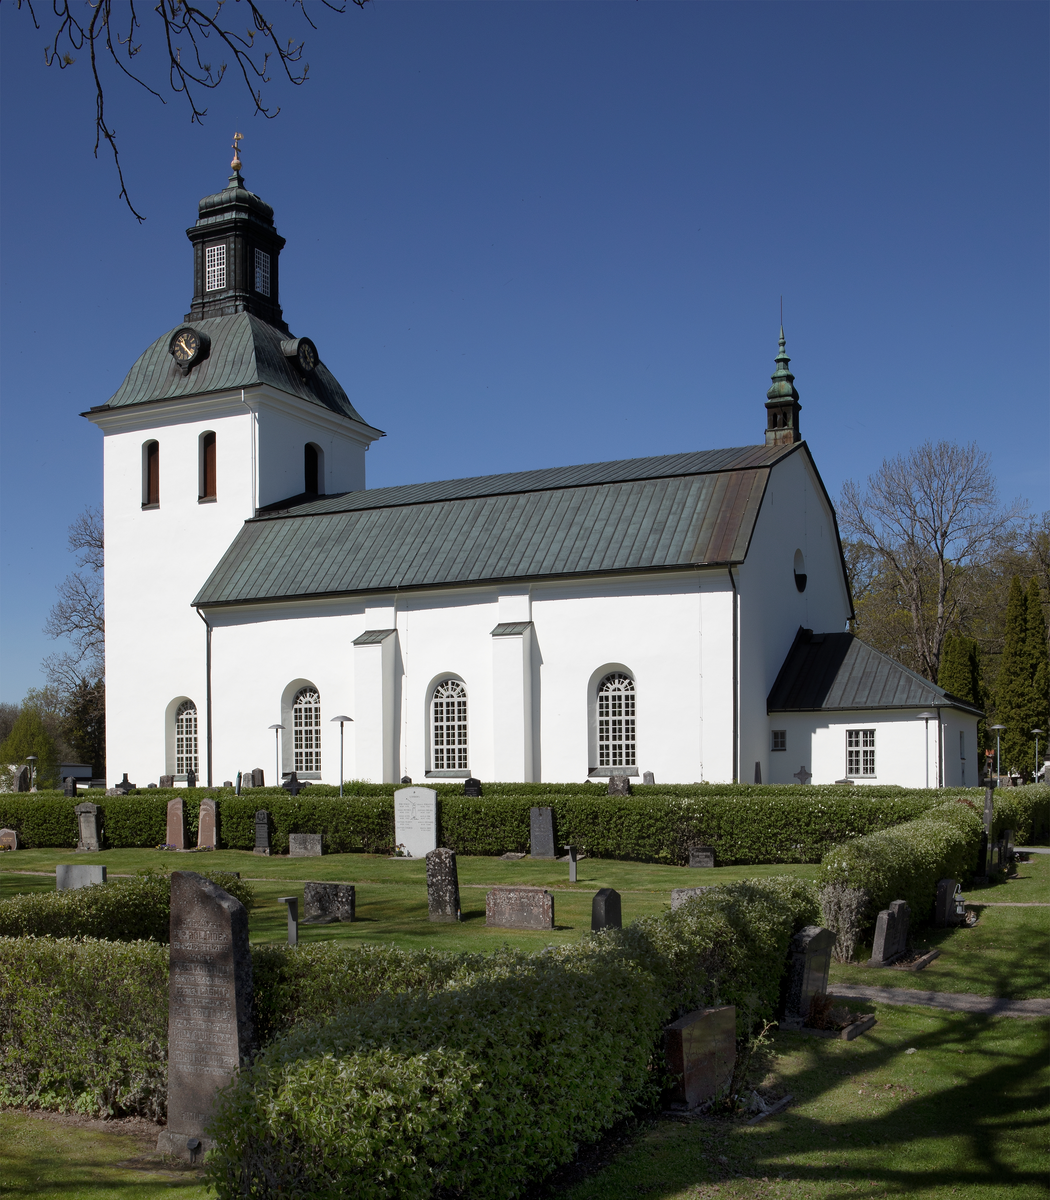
x=1025 y=810
x=84 y=1026
x=123 y=910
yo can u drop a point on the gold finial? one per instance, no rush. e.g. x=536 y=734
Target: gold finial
x=236 y=164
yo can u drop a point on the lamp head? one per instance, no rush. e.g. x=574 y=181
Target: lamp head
x=276 y=726
x=341 y=719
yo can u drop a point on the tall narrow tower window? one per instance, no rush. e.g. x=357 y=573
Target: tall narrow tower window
x=206 y=490
x=262 y=272
x=151 y=475
x=186 y=759
x=313 y=469
x=215 y=268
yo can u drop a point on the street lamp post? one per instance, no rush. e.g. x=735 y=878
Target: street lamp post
x=998 y=761
x=1037 y=732
x=927 y=717
x=277 y=753
x=341 y=719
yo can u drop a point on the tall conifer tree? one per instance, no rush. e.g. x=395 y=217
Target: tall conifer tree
x=1039 y=666
x=1016 y=704
x=960 y=669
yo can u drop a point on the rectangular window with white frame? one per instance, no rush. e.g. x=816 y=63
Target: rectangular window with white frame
x=860 y=753
x=262 y=272
x=214 y=268
x=780 y=740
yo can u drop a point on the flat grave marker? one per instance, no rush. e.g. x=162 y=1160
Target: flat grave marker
x=71 y=876
x=304 y=845
x=519 y=908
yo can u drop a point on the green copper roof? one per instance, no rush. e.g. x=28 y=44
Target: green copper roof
x=593 y=519
x=244 y=352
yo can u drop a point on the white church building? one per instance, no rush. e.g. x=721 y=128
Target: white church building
x=683 y=615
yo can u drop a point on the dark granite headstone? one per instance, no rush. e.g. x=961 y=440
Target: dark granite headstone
x=258 y=778
x=541 y=833
x=151 y=785
x=124 y=786
x=700 y=1051
x=88 y=828
x=176 y=828
x=8 y=839
x=472 y=787
x=891 y=934
x=207 y=827
x=325 y=903
x=262 y=832
x=167 y=781
x=22 y=780
x=982 y=858
x=680 y=896
x=191 y=779
x=293 y=785
x=647 y=777
x=605 y=910
x=519 y=908
x=442 y=885
x=406 y=779
x=304 y=845
x=70 y=876
x=69 y=786
x=809 y=960
x=210 y=1030
x=619 y=785
x=701 y=856
x=949 y=908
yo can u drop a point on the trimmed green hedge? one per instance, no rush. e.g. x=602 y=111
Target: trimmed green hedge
x=123 y=910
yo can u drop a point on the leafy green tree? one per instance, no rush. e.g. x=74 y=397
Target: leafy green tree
x=30 y=737
x=960 y=669
x=85 y=724
x=1038 y=665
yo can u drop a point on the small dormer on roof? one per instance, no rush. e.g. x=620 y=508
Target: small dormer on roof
x=235 y=254
x=782 y=406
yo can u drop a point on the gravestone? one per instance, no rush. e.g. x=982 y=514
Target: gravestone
x=407 y=779
x=541 y=833
x=293 y=918
x=304 y=845
x=191 y=779
x=758 y=772
x=891 y=934
x=125 y=786
x=619 y=785
x=701 y=856
x=949 y=907
x=680 y=896
x=210 y=1030
x=292 y=785
x=258 y=778
x=415 y=820
x=325 y=903
x=442 y=886
x=207 y=827
x=167 y=781
x=1006 y=857
x=982 y=858
x=700 y=1052
x=9 y=839
x=605 y=910
x=151 y=785
x=88 y=830
x=809 y=959
x=647 y=777
x=69 y=786
x=519 y=908
x=70 y=876
x=262 y=832
x=472 y=787
x=21 y=780
x=989 y=810
x=175 y=834
x=226 y=783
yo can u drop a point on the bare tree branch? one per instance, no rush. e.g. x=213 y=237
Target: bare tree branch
x=79 y=614
x=185 y=30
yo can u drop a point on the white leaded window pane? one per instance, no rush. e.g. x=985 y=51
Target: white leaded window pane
x=448 y=726
x=262 y=272
x=306 y=730
x=215 y=268
x=860 y=752
x=616 y=721
x=186 y=739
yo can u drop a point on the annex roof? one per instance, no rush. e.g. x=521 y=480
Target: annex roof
x=837 y=671
x=245 y=351
x=673 y=511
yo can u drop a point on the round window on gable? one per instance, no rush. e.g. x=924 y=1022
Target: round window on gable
x=800 y=571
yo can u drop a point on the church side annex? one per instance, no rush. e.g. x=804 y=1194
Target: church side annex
x=661 y=614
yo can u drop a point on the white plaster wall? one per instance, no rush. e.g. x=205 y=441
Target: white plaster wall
x=794 y=516
x=818 y=742
x=285 y=429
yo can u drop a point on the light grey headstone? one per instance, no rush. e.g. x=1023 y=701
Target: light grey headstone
x=647 y=777
x=88 y=828
x=69 y=876
x=9 y=839
x=415 y=820
x=519 y=908
x=949 y=906
x=891 y=934
x=210 y=1031
x=304 y=845
x=442 y=886
x=619 y=785
x=680 y=896
x=208 y=825
x=701 y=856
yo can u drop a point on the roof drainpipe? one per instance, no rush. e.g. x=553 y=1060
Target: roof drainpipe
x=736 y=686
x=940 y=752
x=207 y=688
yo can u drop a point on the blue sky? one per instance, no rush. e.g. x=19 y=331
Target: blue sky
x=532 y=234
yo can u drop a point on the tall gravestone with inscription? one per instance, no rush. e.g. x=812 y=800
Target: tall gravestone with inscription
x=175 y=833
x=442 y=886
x=208 y=826
x=415 y=820
x=209 y=1007
x=541 y=833
x=88 y=831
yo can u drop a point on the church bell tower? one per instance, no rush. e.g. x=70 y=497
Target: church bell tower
x=782 y=406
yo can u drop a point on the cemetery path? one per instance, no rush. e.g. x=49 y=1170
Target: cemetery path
x=1009 y=904
x=956 y=1001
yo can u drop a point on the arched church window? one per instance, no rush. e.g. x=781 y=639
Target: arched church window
x=206 y=486
x=448 y=710
x=616 y=721
x=306 y=730
x=151 y=474
x=313 y=469
x=186 y=759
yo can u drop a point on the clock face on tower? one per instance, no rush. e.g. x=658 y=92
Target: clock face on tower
x=185 y=346
x=307 y=355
